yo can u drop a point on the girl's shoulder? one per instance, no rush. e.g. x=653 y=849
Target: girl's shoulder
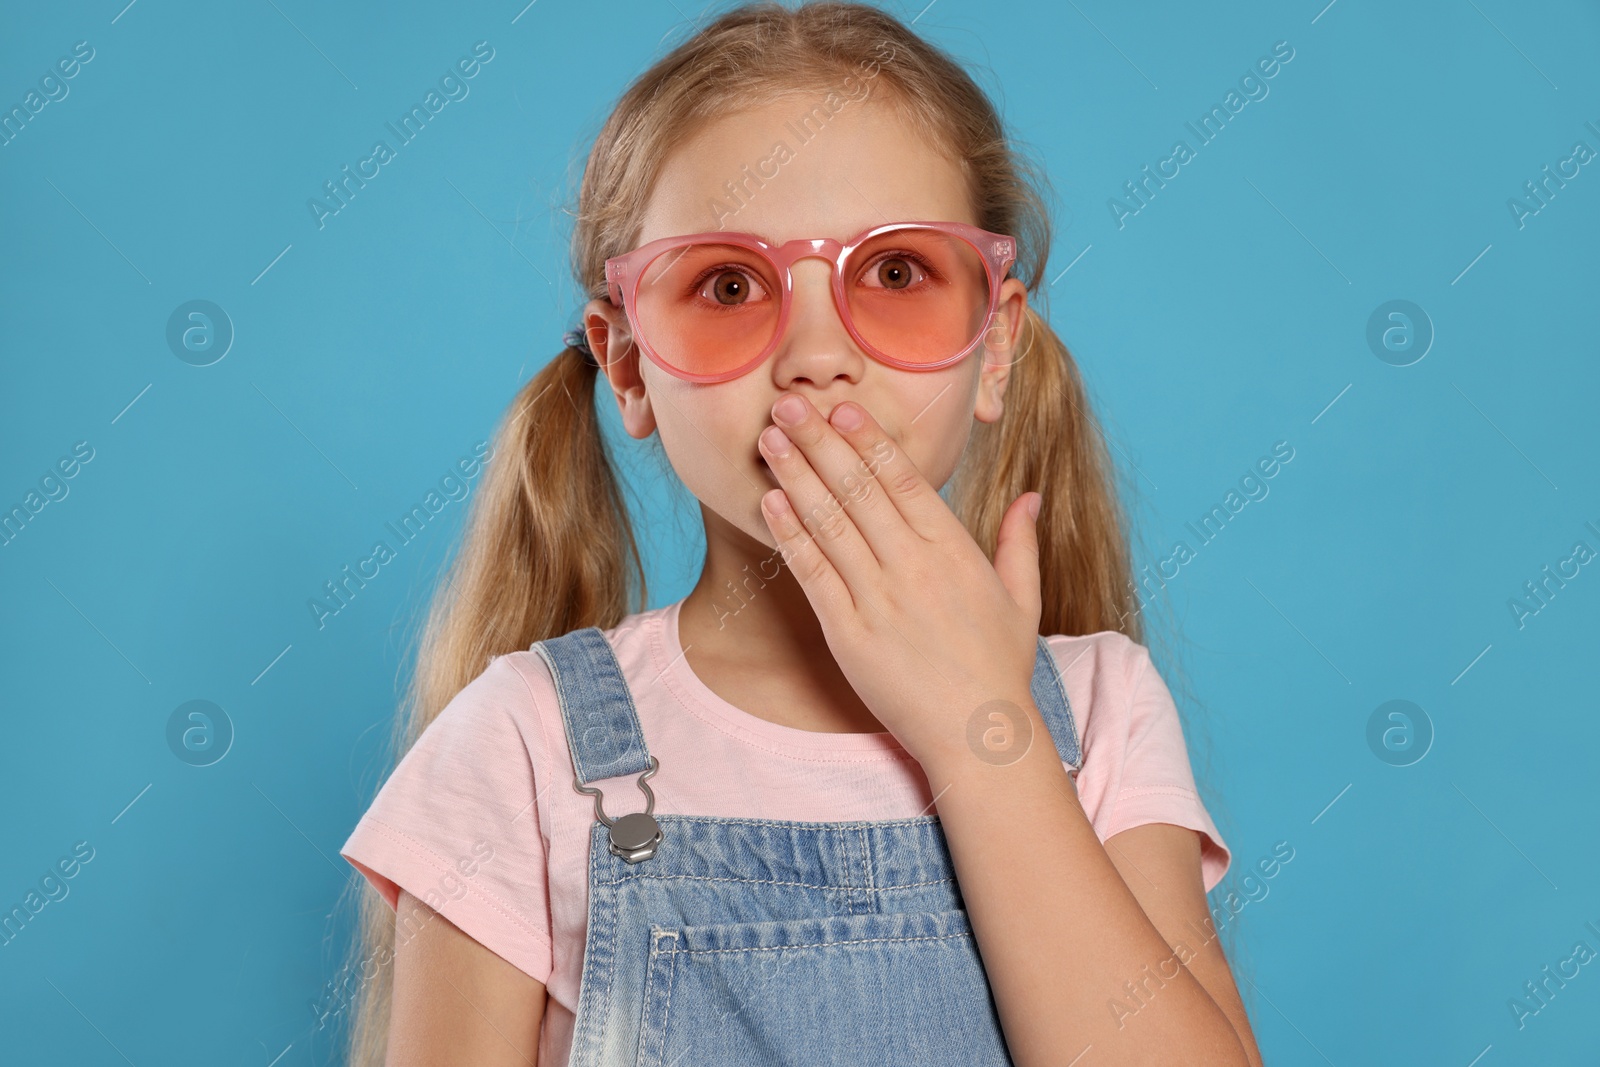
x=519 y=684
x=1114 y=690
x=1105 y=659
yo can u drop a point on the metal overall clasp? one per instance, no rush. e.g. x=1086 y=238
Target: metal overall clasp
x=634 y=837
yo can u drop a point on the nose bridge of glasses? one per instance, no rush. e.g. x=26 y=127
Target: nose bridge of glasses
x=793 y=252
x=827 y=249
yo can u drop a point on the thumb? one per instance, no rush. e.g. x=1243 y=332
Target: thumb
x=1016 y=554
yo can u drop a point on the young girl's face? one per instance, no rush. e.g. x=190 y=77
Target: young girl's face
x=863 y=168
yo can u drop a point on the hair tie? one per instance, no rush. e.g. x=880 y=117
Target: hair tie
x=576 y=338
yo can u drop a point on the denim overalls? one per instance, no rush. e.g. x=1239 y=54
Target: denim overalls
x=753 y=941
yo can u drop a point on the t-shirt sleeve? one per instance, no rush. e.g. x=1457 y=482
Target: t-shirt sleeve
x=1135 y=763
x=456 y=823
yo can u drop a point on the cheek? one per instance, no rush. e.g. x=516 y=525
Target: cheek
x=938 y=436
x=692 y=423
x=709 y=437
x=936 y=451
x=696 y=448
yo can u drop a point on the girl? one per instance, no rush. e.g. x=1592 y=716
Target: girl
x=827 y=808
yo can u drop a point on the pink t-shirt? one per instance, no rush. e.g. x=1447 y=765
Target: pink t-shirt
x=480 y=819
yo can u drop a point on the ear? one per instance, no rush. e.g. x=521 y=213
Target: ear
x=606 y=327
x=1000 y=351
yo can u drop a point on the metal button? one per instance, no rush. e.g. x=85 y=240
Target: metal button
x=634 y=836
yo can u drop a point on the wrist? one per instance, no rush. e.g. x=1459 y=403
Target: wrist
x=963 y=789
x=1005 y=744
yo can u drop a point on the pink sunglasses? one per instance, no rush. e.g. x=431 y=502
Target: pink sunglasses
x=939 y=292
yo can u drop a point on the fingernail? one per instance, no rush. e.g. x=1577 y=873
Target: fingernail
x=1033 y=506
x=789 y=411
x=776 y=440
x=846 y=417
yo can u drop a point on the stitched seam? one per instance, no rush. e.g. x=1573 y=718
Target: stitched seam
x=771 y=881
x=666 y=1014
x=859 y=838
x=643 y=1055
x=1157 y=791
x=415 y=847
x=611 y=667
x=608 y=962
x=830 y=944
x=866 y=850
x=744 y=739
x=548 y=657
x=649 y=987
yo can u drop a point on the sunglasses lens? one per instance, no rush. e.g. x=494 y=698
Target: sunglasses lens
x=708 y=308
x=916 y=295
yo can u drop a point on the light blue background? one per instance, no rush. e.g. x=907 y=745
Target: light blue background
x=1228 y=314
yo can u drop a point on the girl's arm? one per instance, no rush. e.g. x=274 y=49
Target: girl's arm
x=1078 y=947
x=456 y=1002
x=1160 y=863
x=930 y=632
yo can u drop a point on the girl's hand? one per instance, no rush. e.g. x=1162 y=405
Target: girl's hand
x=924 y=628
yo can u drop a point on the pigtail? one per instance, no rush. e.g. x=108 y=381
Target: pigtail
x=547 y=549
x=1047 y=439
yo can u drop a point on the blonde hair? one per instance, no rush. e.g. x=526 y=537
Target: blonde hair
x=548 y=546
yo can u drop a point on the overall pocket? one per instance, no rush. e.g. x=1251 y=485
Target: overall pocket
x=886 y=988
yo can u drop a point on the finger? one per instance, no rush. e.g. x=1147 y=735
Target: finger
x=902 y=485
x=1016 y=554
x=818 y=509
x=801 y=554
x=848 y=477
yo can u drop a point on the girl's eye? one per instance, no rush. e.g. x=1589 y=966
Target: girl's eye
x=896 y=270
x=730 y=287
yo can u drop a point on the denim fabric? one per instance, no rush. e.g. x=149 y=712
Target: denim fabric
x=757 y=941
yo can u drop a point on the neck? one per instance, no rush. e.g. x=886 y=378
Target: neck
x=747 y=605
x=749 y=632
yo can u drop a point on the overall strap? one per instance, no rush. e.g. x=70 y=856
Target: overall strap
x=602 y=725
x=1050 y=694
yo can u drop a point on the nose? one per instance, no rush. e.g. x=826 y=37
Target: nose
x=816 y=345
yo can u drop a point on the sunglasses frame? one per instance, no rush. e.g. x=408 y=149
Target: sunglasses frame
x=623 y=272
